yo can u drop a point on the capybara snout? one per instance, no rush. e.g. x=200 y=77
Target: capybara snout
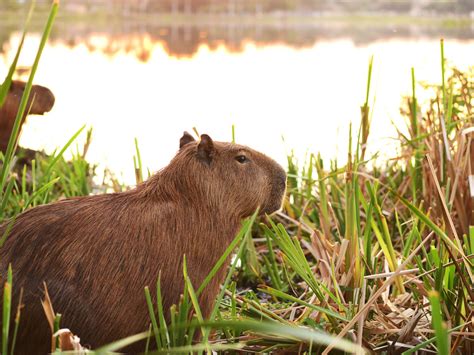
x=278 y=190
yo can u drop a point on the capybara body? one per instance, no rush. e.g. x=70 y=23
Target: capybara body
x=97 y=253
x=41 y=100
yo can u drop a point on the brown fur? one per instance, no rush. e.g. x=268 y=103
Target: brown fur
x=41 y=100
x=97 y=253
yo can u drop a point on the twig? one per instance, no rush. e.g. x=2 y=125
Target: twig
x=376 y=295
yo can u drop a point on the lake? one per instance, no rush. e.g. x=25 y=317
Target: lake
x=284 y=86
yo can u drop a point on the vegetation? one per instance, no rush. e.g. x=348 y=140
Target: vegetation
x=258 y=6
x=379 y=254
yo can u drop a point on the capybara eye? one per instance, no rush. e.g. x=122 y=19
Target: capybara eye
x=241 y=159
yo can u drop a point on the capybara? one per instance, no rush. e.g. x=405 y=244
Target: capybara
x=97 y=253
x=41 y=100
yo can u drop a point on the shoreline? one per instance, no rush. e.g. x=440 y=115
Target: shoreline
x=264 y=19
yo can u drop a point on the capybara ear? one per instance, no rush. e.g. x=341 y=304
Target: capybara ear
x=185 y=139
x=205 y=150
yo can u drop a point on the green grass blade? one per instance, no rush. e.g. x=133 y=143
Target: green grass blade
x=154 y=323
x=137 y=162
x=5 y=87
x=165 y=338
x=424 y=218
x=56 y=327
x=119 y=344
x=193 y=349
x=17 y=322
x=299 y=333
x=443 y=61
x=60 y=154
x=442 y=337
x=194 y=301
x=40 y=191
x=285 y=296
x=429 y=341
x=7 y=304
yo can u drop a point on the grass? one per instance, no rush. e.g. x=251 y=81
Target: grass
x=380 y=254
x=368 y=254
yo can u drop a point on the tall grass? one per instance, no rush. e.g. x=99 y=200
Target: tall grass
x=359 y=225
x=380 y=255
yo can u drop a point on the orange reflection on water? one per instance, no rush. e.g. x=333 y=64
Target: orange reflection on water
x=308 y=95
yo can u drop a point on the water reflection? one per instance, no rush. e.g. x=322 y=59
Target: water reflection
x=307 y=94
x=182 y=39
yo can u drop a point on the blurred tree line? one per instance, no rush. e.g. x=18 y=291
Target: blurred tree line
x=259 y=6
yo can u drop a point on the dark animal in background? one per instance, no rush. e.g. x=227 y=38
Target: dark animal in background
x=41 y=100
x=97 y=253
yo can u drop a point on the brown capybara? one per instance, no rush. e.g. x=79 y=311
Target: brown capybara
x=97 y=253
x=41 y=100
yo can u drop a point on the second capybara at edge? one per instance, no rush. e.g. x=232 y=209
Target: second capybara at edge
x=97 y=253
x=41 y=100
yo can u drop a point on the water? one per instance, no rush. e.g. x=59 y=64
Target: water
x=303 y=83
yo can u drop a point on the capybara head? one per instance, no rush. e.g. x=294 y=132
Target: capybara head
x=228 y=176
x=41 y=98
